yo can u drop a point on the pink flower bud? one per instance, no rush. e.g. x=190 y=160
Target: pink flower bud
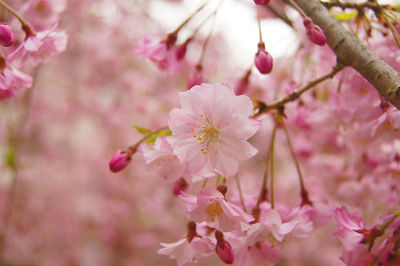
x=263 y=60
x=223 y=248
x=314 y=33
x=243 y=84
x=6 y=36
x=119 y=161
x=179 y=186
x=181 y=50
x=195 y=78
x=262 y=2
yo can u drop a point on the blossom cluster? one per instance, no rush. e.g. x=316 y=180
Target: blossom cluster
x=208 y=140
x=135 y=142
x=37 y=41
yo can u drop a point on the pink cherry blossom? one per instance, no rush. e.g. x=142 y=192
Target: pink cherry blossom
x=40 y=47
x=211 y=206
x=6 y=88
x=20 y=79
x=165 y=54
x=271 y=221
x=211 y=129
x=257 y=253
x=170 y=168
x=184 y=251
x=11 y=80
x=349 y=224
x=61 y=207
x=162 y=157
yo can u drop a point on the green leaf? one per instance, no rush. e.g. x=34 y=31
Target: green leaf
x=10 y=157
x=166 y=132
x=142 y=130
x=346 y=16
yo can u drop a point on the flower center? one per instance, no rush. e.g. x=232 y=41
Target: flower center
x=207 y=134
x=214 y=209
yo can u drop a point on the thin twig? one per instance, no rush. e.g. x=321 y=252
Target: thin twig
x=280 y=15
x=188 y=19
x=240 y=192
x=297 y=93
x=295 y=6
x=259 y=24
x=303 y=190
x=277 y=118
x=204 y=47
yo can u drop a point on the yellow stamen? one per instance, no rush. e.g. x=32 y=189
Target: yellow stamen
x=214 y=209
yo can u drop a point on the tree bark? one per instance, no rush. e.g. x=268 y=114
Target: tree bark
x=351 y=52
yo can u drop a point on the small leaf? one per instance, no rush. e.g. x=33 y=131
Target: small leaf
x=142 y=130
x=346 y=16
x=10 y=157
x=166 y=132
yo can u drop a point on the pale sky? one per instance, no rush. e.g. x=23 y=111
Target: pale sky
x=237 y=21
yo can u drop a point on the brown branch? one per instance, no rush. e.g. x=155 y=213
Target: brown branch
x=371 y=5
x=351 y=52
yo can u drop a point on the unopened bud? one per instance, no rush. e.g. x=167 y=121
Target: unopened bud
x=195 y=78
x=179 y=186
x=262 y=2
x=314 y=33
x=243 y=84
x=223 y=248
x=181 y=50
x=6 y=36
x=263 y=60
x=119 y=161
